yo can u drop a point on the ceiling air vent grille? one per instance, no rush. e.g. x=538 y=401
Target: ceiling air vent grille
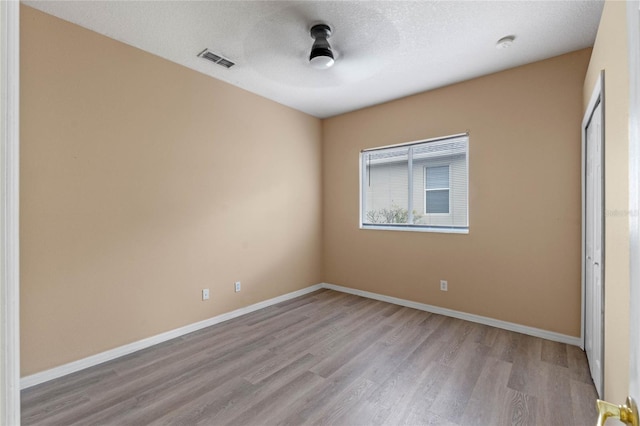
x=216 y=59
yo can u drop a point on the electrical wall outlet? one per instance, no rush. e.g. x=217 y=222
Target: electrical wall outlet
x=444 y=286
x=237 y=286
x=205 y=294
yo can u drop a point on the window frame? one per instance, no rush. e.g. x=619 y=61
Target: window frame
x=447 y=229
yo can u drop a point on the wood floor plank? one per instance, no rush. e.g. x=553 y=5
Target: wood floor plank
x=488 y=394
x=525 y=374
x=262 y=371
x=190 y=358
x=44 y=412
x=141 y=405
x=40 y=403
x=362 y=365
x=277 y=405
x=453 y=348
x=338 y=409
x=414 y=384
x=554 y=353
x=454 y=396
x=329 y=358
x=578 y=368
x=396 y=364
x=412 y=366
x=349 y=347
x=314 y=401
x=205 y=408
x=583 y=408
x=429 y=418
x=519 y=409
x=506 y=345
x=484 y=334
x=395 y=350
x=301 y=338
x=207 y=405
x=335 y=336
x=416 y=404
x=557 y=410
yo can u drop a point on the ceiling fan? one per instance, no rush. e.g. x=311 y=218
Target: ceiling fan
x=346 y=45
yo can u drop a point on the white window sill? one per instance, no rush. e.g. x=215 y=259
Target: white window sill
x=437 y=229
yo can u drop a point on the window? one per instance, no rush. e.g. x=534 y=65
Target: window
x=436 y=186
x=419 y=186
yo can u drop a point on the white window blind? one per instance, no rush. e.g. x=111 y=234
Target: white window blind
x=416 y=186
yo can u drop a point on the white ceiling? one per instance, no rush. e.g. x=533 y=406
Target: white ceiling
x=385 y=50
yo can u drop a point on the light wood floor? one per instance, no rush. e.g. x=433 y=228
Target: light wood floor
x=330 y=358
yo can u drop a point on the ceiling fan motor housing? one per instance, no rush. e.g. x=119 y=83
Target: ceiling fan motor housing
x=321 y=56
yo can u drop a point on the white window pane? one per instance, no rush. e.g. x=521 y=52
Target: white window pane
x=437 y=177
x=387 y=186
x=437 y=201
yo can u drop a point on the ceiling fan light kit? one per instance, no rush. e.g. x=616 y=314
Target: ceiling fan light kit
x=321 y=56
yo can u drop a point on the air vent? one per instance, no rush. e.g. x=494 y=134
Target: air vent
x=216 y=59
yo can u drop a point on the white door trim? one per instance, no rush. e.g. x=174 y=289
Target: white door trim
x=633 y=21
x=597 y=98
x=9 y=212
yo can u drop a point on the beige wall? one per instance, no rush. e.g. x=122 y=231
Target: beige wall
x=143 y=182
x=520 y=261
x=610 y=54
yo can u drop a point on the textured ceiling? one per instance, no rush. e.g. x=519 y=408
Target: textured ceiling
x=385 y=50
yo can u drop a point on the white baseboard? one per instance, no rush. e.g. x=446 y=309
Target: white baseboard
x=531 y=331
x=72 y=367
x=81 y=364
